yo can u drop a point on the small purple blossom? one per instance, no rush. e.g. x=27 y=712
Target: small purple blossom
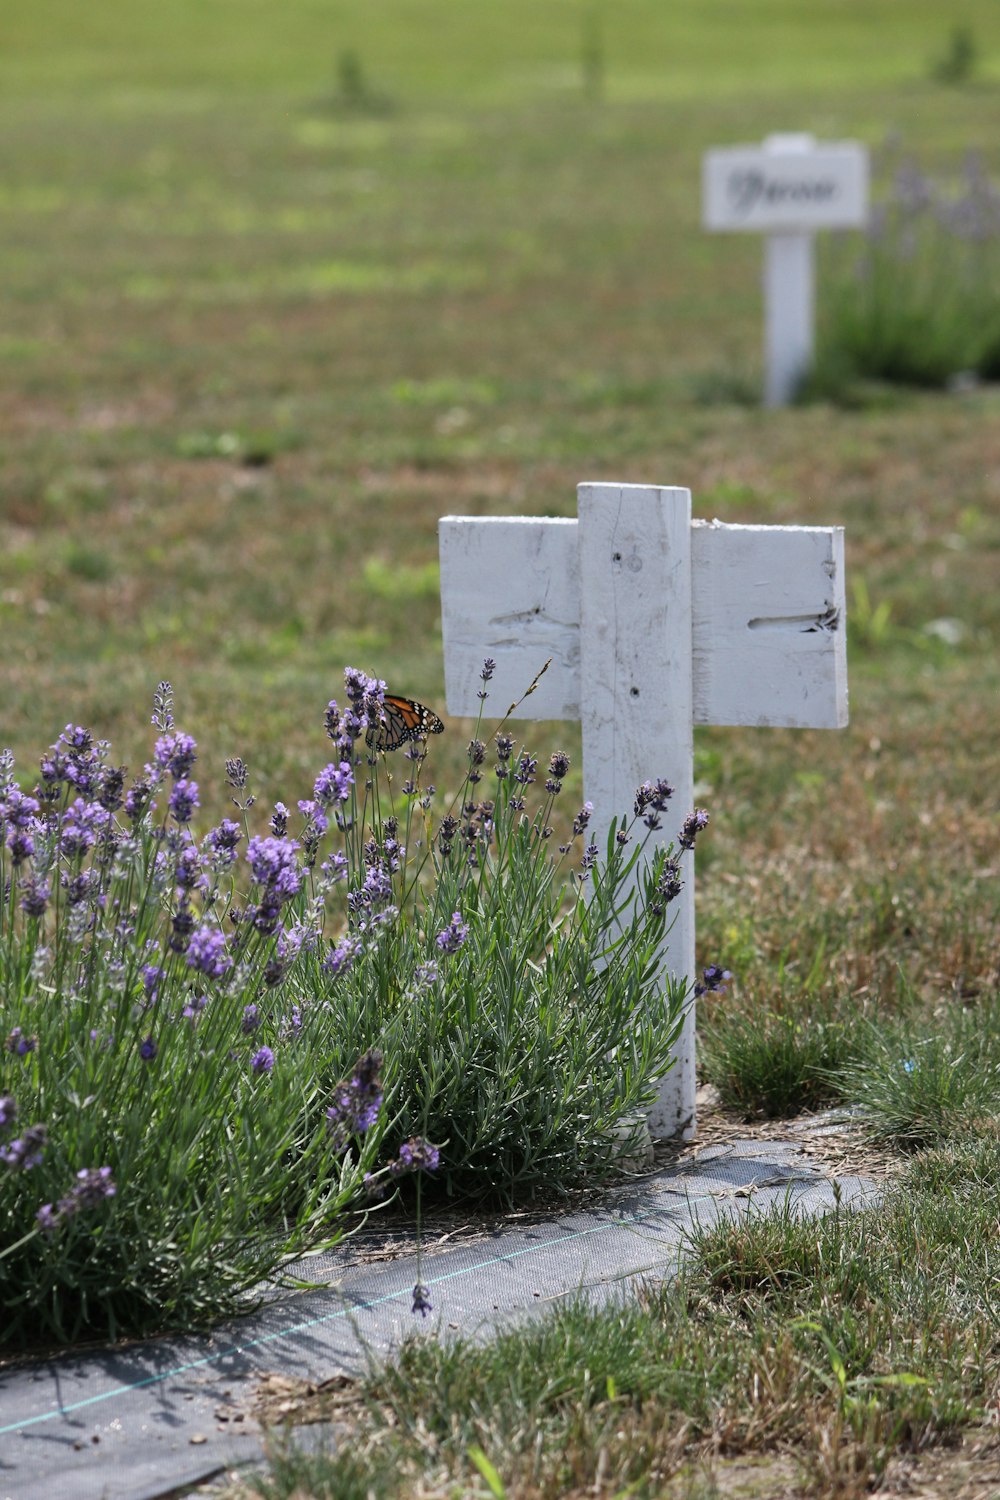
x=207 y=952
x=26 y=1150
x=35 y=897
x=93 y=1186
x=415 y=1155
x=651 y=799
x=175 y=753
x=8 y=1111
x=342 y=956
x=220 y=843
x=251 y=1019
x=183 y=800
x=588 y=861
x=262 y=1060
x=17 y=809
x=148 y=1049
x=356 y=1102
x=582 y=819
x=693 y=824
x=526 y=768
x=274 y=866
x=152 y=978
x=714 y=981
x=451 y=938
x=333 y=784
x=20 y=1045
x=20 y=844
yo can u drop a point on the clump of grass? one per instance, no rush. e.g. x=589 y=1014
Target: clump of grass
x=842 y=1341
x=216 y=1047
x=919 y=1090
x=957 y=63
x=917 y=306
x=772 y=1064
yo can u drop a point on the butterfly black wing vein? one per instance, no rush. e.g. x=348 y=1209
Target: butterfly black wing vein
x=404 y=719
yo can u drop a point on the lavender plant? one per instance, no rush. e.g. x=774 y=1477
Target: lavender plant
x=919 y=305
x=219 y=1046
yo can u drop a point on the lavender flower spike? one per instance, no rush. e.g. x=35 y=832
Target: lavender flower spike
x=453 y=936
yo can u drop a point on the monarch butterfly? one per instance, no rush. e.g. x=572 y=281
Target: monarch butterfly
x=403 y=720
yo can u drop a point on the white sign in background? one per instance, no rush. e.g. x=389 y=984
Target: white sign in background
x=787 y=189
x=654 y=623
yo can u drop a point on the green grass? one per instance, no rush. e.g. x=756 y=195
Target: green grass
x=823 y=1349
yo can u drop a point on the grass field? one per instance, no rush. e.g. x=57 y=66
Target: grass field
x=283 y=285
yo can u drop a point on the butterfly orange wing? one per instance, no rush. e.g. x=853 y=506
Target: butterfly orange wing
x=404 y=720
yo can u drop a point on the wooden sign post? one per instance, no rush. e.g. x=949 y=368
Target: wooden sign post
x=787 y=189
x=654 y=623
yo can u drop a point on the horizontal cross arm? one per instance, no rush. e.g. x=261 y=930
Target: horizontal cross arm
x=768 y=619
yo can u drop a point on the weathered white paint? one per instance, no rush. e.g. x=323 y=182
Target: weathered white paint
x=788 y=188
x=767 y=627
x=654 y=622
x=636 y=711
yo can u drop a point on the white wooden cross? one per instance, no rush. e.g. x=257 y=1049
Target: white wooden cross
x=654 y=623
x=787 y=189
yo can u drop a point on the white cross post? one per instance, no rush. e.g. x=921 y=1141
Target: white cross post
x=787 y=188
x=654 y=623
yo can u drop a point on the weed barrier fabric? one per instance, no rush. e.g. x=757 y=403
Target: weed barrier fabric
x=143 y=1421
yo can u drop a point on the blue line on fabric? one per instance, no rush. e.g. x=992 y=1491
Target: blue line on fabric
x=270 y=1338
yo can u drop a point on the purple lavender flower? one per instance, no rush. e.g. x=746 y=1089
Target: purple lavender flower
x=221 y=843
x=81 y=824
x=274 y=866
x=35 y=897
x=333 y=784
x=279 y=820
x=651 y=799
x=92 y=1186
x=148 y=1049
x=416 y=1155
x=356 y=1102
x=582 y=819
x=8 y=1111
x=693 y=824
x=424 y=975
x=183 y=800
x=17 y=809
x=451 y=938
x=335 y=868
x=26 y=1150
x=152 y=978
x=489 y=667
x=175 y=753
x=236 y=773
x=138 y=798
x=714 y=981
x=262 y=1060
x=251 y=1019
x=49 y=1218
x=21 y=845
x=526 y=768
x=187 y=869
x=20 y=1045
x=111 y=787
x=668 y=887
x=558 y=767
x=207 y=952
x=588 y=861
x=421 y=1300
